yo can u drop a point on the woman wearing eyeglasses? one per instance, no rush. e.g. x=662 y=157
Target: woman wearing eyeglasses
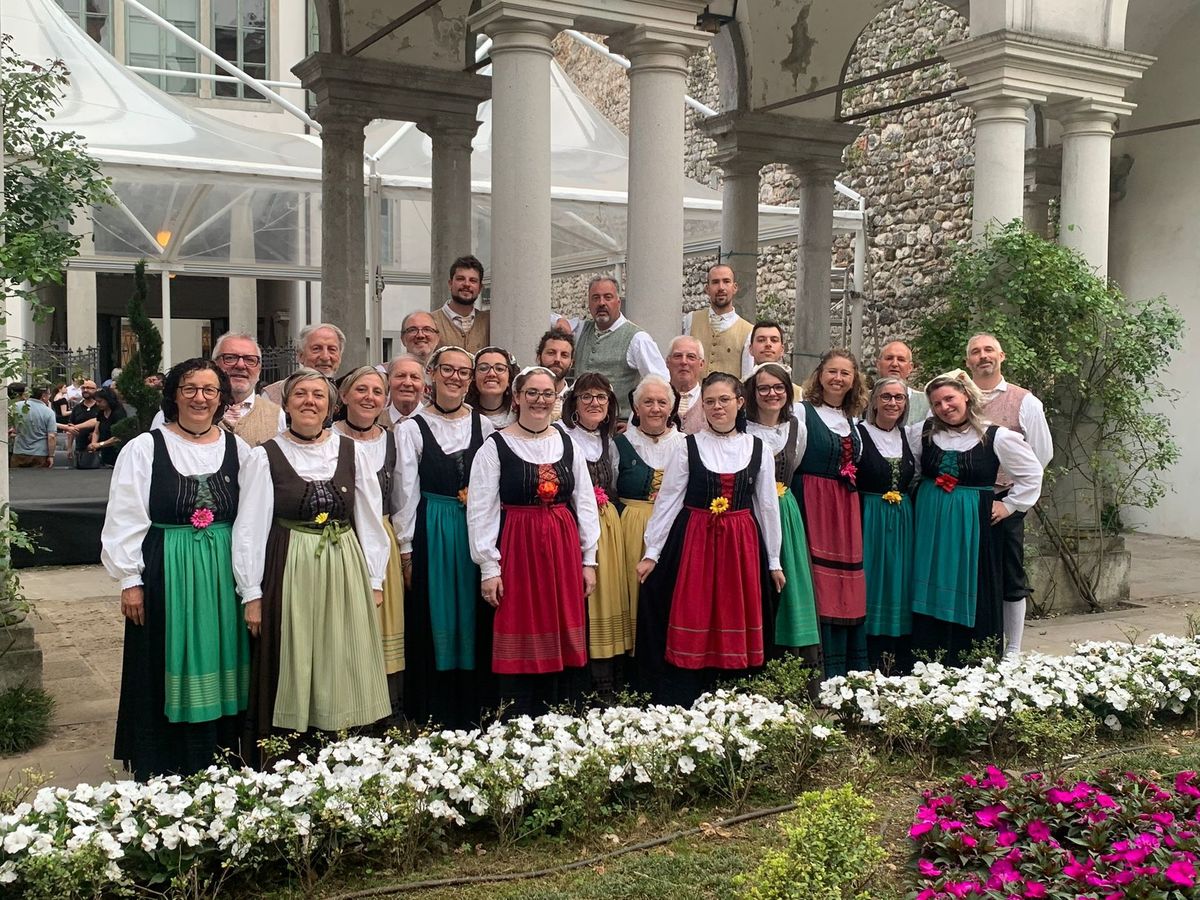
x=364 y=397
x=449 y=627
x=706 y=609
x=824 y=485
x=590 y=414
x=310 y=556
x=886 y=474
x=771 y=418
x=534 y=526
x=167 y=539
x=490 y=393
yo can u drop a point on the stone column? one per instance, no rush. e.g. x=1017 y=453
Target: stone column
x=739 y=228
x=450 y=215
x=521 y=56
x=814 y=252
x=1043 y=168
x=1086 y=185
x=1000 y=124
x=243 y=292
x=343 y=230
x=657 y=87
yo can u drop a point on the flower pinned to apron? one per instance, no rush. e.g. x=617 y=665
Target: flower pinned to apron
x=547 y=491
x=321 y=518
x=893 y=497
x=202 y=517
x=601 y=497
x=719 y=505
x=462 y=496
x=849 y=471
x=946 y=482
x=780 y=488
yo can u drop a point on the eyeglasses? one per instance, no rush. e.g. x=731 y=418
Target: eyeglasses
x=893 y=398
x=191 y=390
x=532 y=395
x=489 y=368
x=589 y=399
x=427 y=330
x=249 y=360
x=766 y=390
x=723 y=400
x=448 y=371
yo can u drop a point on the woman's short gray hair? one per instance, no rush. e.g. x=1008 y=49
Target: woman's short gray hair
x=879 y=385
x=652 y=380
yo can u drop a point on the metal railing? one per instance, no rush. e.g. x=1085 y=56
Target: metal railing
x=277 y=363
x=55 y=363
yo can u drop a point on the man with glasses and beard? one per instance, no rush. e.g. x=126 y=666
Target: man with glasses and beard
x=81 y=422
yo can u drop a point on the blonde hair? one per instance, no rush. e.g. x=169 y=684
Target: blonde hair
x=348 y=381
x=303 y=374
x=963 y=383
x=855 y=400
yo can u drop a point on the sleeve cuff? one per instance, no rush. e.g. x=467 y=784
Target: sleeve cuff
x=252 y=594
x=1010 y=506
x=774 y=565
x=489 y=570
x=406 y=546
x=651 y=553
x=131 y=581
x=377 y=584
x=589 y=557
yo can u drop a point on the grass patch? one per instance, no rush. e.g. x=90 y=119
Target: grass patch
x=24 y=719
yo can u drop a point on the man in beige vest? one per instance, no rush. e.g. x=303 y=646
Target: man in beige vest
x=321 y=347
x=459 y=323
x=724 y=334
x=253 y=418
x=1016 y=408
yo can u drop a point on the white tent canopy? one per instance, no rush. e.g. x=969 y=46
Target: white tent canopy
x=196 y=193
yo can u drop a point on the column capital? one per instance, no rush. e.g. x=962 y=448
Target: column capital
x=649 y=46
x=520 y=24
x=450 y=130
x=335 y=118
x=764 y=138
x=1089 y=116
x=735 y=164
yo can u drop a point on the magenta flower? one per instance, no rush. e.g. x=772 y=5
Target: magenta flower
x=1181 y=872
x=1033 y=890
x=202 y=517
x=995 y=779
x=989 y=816
x=920 y=828
x=1038 y=831
x=928 y=869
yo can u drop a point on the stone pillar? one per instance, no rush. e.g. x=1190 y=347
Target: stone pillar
x=1000 y=124
x=814 y=252
x=739 y=228
x=243 y=292
x=521 y=55
x=450 y=215
x=1043 y=167
x=343 y=230
x=657 y=87
x=1086 y=185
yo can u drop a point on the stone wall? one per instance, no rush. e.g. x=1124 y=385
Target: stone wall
x=914 y=166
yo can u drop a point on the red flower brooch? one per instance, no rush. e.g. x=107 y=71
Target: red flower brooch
x=946 y=482
x=547 y=491
x=601 y=497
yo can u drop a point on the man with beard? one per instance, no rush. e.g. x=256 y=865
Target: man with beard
x=81 y=422
x=724 y=334
x=419 y=335
x=610 y=344
x=896 y=361
x=321 y=347
x=255 y=419
x=556 y=352
x=1016 y=408
x=406 y=389
x=459 y=324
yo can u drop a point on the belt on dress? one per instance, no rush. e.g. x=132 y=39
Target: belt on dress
x=329 y=532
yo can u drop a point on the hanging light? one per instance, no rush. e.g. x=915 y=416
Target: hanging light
x=717 y=15
x=163 y=238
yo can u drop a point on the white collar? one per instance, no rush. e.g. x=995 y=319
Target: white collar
x=999 y=388
x=249 y=401
x=452 y=315
x=724 y=317
x=617 y=323
x=693 y=393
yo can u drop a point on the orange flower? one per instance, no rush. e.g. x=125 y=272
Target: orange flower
x=547 y=491
x=462 y=496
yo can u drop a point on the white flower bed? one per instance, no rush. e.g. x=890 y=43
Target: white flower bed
x=1118 y=682
x=358 y=787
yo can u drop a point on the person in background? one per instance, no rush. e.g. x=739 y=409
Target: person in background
x=886 y=476
x=419 y=334
x=81 y=422
x=1015 y=408
x=459 y=323
x=110 y=410
x=167 y=539
x=60 y=403
x=490 y=393
x=36 y=430
x=685 y=362
x=556 y=352
x=766 y=346
x=112 y=378
x=406 y=388
x=724 y=335
x=896 y=361
x=321 y=346
x=537 y=558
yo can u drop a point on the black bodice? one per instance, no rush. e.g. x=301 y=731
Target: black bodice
x=875 y=475
x=704 y=486
x=300 y=500
x=447 y=473
x=387 y=474
x=521 y=482
x=174 y=497
x=976 y=467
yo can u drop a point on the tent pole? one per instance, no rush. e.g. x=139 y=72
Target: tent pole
x=166 y=320
x=374 y=263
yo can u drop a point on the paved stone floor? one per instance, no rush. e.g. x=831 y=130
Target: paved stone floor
x=79 y=628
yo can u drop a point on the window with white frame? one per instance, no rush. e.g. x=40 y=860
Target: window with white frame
x=148 y=45
x=240 y=36
x=94 y=17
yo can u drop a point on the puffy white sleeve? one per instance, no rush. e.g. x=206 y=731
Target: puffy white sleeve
x=912 y=434
x=1032 y=417
x=747 y=359
x=127 y=519
x=256 y=509
x=1022 y=464
x=644 y=355
x=801 y=433
x=407 y=483
x=483 y=510
x=766 y=508
x=368 y=523
x=586 y=511
x=158 y=421
x=669 y=503
x=685 y=326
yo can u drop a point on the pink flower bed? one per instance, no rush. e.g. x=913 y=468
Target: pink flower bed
x=1119 y=836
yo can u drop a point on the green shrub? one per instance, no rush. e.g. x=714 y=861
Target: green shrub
x=24 y=719
x=832 y=852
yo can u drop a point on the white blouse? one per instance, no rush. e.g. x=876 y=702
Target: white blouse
x=833 y=417
x=775 y=436
x=374 y=452
x=722 y=454
x=452 y=436
x=656 y=452
x=127 y=519
x=890 y=444
x=256 y=508
x=499 y=420
x=483 y=498
x=1014 y=454
x=591 y=445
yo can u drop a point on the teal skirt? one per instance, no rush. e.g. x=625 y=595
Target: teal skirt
x=946 y=552
x=453 y=583
x=887 y=564
x=796 y=620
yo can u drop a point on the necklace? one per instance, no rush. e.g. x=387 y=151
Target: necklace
x=490 y=409
x=654 y=437
x=448 y=412
x=304 y=437
x=195 y=434
x=531 y=431
x=722 y=433
x=351 y=425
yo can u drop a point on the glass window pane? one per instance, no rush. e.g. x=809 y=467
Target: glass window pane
x=254 y=48
x=225 y=13
x=254 y=13
x=239 y=29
